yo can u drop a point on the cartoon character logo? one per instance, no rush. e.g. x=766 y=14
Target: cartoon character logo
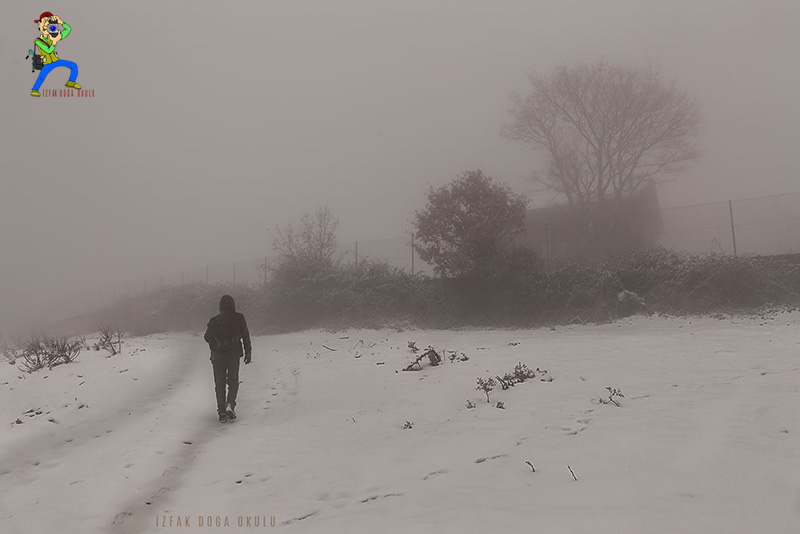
x=52 y=30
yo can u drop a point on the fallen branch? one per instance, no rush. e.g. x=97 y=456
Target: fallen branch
x=410 y=367
x=612 y=392
x=431 y=354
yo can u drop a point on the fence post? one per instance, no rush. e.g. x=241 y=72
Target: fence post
x=412 y=254
x=733 y=230
x=549 y=245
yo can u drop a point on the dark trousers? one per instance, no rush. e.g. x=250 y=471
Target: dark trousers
x=226 y=371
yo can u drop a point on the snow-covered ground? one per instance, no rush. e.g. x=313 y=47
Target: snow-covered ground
x=706 y=440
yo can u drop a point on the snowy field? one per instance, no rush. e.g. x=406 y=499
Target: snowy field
x=705 y=440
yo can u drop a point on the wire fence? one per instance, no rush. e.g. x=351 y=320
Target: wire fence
x=757 y=226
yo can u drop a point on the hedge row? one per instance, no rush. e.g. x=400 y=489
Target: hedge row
x=522 y=293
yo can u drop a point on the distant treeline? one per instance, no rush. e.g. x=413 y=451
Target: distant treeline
x=375 y=295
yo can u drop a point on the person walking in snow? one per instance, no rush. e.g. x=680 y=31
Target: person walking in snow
x=225 y=335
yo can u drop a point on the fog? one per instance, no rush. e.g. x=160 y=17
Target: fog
x=213 y=122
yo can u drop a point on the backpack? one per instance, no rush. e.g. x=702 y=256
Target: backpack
x=224 y=333
x=37 y=60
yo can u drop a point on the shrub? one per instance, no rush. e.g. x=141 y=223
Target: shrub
x=61 y=350
x=486 y=385
x=34 y=354
x=111 y=339
x=302 y=295
x=42 y=350
x=520 y=292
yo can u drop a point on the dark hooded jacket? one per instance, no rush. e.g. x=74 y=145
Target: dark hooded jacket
x=227 y=331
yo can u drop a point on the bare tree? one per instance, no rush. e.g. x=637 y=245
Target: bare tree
x=606 y=129
x=314 y=241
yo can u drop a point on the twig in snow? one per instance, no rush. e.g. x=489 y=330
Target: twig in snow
x=327 y=347
x=533 y=469
x=572 y=473
x=612 y=392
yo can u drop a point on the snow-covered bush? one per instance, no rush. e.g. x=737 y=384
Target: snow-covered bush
x=43 y=350
x=522 y=372
x=34 y=354
x=111 y=339
x=61 y=350
x=612 y=393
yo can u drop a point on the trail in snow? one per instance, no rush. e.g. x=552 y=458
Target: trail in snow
x=705 y=439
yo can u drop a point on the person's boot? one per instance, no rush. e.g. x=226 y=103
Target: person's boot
x=34 y=92
x=73 y=85
x=229 y=411
x=223 y=417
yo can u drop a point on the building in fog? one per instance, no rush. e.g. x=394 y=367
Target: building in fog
x=572 y=232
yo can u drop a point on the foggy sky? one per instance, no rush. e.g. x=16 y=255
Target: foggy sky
x=213 y=122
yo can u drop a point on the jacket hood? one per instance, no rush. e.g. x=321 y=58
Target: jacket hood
x=227 y=304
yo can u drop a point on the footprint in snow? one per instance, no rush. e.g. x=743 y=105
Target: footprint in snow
x=481 y=460
x=121 y=517
x=338 y=496
x=376 y=497
x=299 y=518
x=434 y=473
x=168 y=471
x=157 y=495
